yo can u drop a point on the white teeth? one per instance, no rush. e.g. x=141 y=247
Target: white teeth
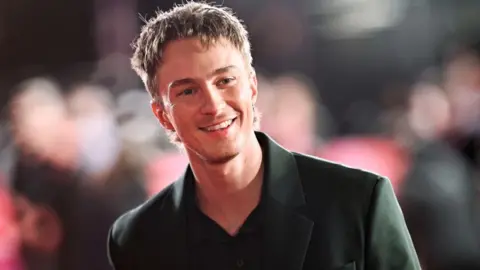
x=222 y=125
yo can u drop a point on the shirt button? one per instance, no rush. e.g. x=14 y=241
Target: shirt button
x=240 y=263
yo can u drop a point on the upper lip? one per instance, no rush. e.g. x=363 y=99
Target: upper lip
x=219 y=122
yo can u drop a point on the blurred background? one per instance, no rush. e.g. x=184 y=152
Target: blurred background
x=389 y=86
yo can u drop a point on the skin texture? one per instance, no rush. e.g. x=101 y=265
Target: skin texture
x=200 y=87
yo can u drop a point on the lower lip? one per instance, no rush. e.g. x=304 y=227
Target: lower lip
x=222 y=132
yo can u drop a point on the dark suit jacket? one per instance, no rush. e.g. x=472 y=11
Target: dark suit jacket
x=319 y=215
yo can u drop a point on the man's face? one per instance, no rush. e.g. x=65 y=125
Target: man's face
x=208 y=95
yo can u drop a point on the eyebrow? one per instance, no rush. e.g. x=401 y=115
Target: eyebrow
x=184 y=81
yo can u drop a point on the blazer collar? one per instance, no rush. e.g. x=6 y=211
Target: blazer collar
x=287 y=229
x=280 y=175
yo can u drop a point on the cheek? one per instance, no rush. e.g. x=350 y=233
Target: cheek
x=182 y=120
x=243 y=97
x=246 y=91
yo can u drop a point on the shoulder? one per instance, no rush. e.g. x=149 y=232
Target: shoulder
x=329 y=183
x=322 y=172
x=129 y=227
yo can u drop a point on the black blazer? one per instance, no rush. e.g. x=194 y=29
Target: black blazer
x=319 y=215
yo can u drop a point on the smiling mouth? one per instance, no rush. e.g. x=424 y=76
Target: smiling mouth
x=220 y=126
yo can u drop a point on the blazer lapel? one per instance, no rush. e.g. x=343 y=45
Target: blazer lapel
x=288 y=230
x=287 y=239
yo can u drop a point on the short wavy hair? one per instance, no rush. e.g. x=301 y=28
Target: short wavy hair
x=190 y=20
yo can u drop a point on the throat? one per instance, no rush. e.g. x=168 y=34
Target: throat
x=230 y=200
x=230 y=211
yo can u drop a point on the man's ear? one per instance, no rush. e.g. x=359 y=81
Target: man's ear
x=162 y=116
x=254 y=86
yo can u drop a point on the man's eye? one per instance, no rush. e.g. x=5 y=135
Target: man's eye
x=226 y=81
x=186 y=92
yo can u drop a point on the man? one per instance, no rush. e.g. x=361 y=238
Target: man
x=244 y=201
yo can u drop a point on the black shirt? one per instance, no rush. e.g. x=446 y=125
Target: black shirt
x=211 y=247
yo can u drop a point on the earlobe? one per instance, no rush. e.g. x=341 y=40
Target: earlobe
x=165 y=121
x=160 y=113
x=155 y=108
x=254 y=87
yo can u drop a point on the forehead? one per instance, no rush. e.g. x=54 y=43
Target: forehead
x=189 y=58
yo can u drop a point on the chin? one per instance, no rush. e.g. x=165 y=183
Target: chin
x=219 y=155
x=218 y=149
x=220 y=159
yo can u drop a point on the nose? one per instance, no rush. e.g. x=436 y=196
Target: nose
x=213 y=101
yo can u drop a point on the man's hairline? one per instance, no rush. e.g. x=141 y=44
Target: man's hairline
x=244 y=54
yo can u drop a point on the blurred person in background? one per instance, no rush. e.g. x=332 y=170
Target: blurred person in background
x=7 y=150
x=146 y=142
x=266 y=104
x=99 y=146
x=103 y=158
x=244 y=201
x=296 y=121
x=55 y=209
x=10 y=237
x=462 y=83
x=141 y=136
x=438 y=194
x=40 y=123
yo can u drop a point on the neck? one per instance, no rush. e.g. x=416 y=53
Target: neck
x=234 y=186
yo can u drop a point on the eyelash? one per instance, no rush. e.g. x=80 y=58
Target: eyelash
x=224 y=81
x=228 y=79
x=183 y=91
